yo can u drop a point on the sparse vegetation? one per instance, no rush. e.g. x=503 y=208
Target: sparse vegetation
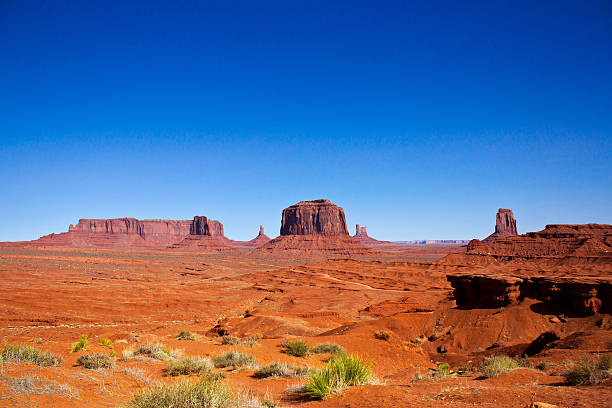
x=32 y=384
x=185 y=335
x=589 y=371
x=328 y=348
x=81 y=344
x=106 y=343
x=280 y=370
x=30 y=354
x=251 y=341
x=234 y=359
x=206 y=393
x=230 y=340
x=341 y=372
x=95 y=361
x=235 y=341
x=494 y=366
x=297 y=348
x=189 y=365
x=154 y=351
x=382 y=335
x=543 y=365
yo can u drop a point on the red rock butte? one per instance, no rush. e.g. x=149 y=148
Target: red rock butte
x=316 y=225
x=505 y=225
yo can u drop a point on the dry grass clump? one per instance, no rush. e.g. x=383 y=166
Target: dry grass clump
x=246 y=341
x=297 y=348
x=32 y=384
x=31 y=354
x=154 y=351
x=590 y=371
x=206 y=393
x=185 y=335
x=95 y=361
x=382 y=335
x=280 y=370
x=341 y=372
x=189 y=365
x=80 y=345
x=230 y=340
x=328 y=348
x=494 y=366
x=234 y=359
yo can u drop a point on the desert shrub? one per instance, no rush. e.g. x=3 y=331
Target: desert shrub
x=189 y=365
x=296 y=348
x=251 y=341
x=234 y=359
x=543 y=365
x=342 y=371
x=280 y=370
x=81 y=344
x=329 y=348
x=185 y=335
x=154 y=351
x=30 y=354
x=106 y=343
x=589 y=371
x=382 y=335
x=494 y=366
x=95 y=361
x=230 y=340
x=206 y=393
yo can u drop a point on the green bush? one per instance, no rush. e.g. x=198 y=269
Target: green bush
x=589 y=371
x=296 y=348
x=30 y=354
x=106 y=343
x=382 y=335
x=206 y=393
x=342 y=371
x=81 y=344
x=494 y=366
x=189 y=365
x=280 y=370
x=329 y=348
x=234 y=359
x=185 y=335
x=95 y=361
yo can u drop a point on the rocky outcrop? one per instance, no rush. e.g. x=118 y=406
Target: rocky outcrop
x=557 y=241
x=505 y=226
x=577 y=295
x=363 y=237
x=317 y=217
x=118 y=233
x=203 y=226
x=314 y=226
x=260 y=239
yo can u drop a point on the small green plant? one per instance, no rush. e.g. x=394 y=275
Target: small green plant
x=280 y=370
x=342 y=371
x=589 y=371
x=494 y=366
x=28 y=353
x=189 y=365
x=296 y=348
x=268 y=404
x=95 y=361
x=382 y=335
x=234 y=359
x=185 y=335
x=106 y=343
x=208 y=392
x=328 y=348
x=81 y=344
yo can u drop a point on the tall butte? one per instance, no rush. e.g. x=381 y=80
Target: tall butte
x=316 y=225
x=204 y=235
x=505 y=226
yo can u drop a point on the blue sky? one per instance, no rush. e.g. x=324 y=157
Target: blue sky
x=420 y=119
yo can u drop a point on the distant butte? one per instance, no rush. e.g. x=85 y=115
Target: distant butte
x=505 y=226
x=316 y=225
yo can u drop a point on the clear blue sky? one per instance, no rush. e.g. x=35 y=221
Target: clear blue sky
x=420 y=119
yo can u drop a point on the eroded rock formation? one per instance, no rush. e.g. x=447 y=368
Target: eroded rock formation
x=203 y=226
x=505 y=226
x=316 y=217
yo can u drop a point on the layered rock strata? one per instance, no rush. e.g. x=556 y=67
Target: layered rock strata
x=505 y=225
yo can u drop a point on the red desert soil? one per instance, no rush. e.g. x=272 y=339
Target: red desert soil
x=51 y=296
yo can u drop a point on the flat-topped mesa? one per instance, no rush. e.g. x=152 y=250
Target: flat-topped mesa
x=144 y=228
x=203 y=226
x=505 y=226
x=317 y=217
